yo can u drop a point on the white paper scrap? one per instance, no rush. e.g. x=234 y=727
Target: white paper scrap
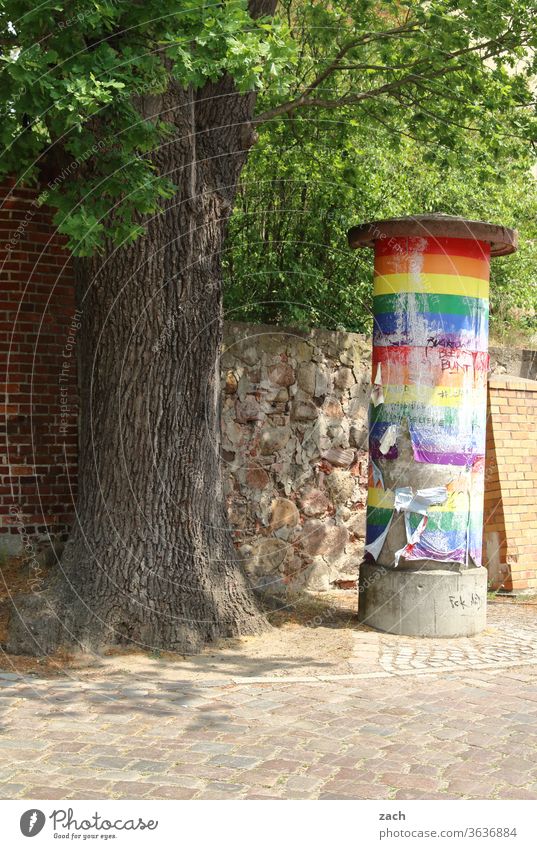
x=388 y=440
x=421 y=501
x=377 y=395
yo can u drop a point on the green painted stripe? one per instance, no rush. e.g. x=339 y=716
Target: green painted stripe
x=378 y=515
x=419 y=414
x=443 y=521
x=439 y=521
x=424 y=302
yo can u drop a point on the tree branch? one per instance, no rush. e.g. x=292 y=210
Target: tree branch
x=323 y=103
x=355 y=42
x=305 y=101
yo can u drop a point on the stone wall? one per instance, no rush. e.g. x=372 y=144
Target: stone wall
x=516 y=362
x=294 y=440
x=294 y=443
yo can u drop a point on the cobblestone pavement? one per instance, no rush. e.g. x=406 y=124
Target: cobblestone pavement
x=402 y=719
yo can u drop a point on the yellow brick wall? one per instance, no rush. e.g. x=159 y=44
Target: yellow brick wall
x=510 y=518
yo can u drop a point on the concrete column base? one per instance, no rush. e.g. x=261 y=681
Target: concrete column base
x=424 y=603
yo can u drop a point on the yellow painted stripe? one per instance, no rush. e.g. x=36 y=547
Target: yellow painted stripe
x=434 y=284
x=384 y=498
x=400 y=374
x=432 y=264
x=436 y=396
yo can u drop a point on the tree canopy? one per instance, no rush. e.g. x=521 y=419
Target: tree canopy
x=451 y=134
x=308 y=180
x=78 y=82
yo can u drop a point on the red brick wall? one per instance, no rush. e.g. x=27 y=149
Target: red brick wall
x=510 y=532
x=39 y=446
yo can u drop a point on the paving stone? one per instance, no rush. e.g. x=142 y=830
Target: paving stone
x=212 y=748
x=14 y=743
x=172 y=792
x=233 y=761
x=148 y=766
x=225 y=785
x=97 y=785
x=259 y=796
x=111 y=762
x=11 y=791
x=302 y=782
x=47 y=792
x=130 y=789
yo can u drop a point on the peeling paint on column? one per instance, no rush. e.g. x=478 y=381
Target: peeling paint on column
x=430 y=340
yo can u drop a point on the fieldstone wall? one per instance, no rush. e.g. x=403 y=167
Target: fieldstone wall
x=294 y=444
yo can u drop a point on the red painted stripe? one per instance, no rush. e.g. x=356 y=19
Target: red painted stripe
x=433 y=245
x=403 y=356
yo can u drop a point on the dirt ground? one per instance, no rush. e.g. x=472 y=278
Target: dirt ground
x=312 y=635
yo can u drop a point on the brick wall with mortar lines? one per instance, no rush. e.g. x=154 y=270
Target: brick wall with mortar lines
x=38 y=461
x=510 y=532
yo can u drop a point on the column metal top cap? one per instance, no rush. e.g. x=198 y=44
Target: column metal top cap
x=502 y=240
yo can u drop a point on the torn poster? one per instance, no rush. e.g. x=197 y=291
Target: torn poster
x=419 y=503
x=430 y=361
x=406 y=501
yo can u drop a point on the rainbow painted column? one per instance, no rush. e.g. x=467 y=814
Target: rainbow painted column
x=423 y=574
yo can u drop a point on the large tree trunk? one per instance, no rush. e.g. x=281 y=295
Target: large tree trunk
x=151 y=559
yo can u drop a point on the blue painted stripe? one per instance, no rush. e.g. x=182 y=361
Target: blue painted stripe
x=372 y=532
x=405 y=324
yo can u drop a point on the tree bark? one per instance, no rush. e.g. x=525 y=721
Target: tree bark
x=150 y=560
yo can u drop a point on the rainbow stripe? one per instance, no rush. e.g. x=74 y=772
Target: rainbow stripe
x=430 y=284
x=430 y=338
x=431 y=263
